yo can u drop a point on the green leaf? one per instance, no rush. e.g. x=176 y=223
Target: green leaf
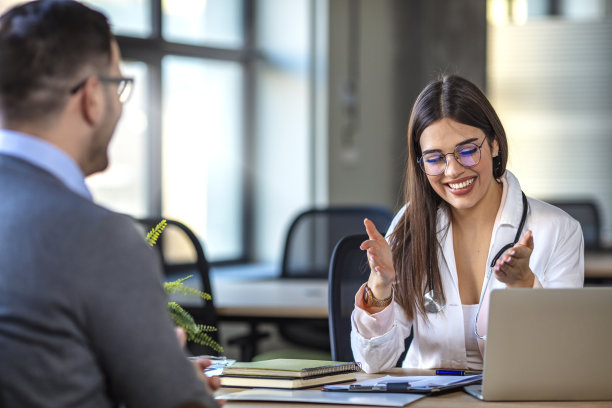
x=195 y=332
x=178 y=287
x=154 y=234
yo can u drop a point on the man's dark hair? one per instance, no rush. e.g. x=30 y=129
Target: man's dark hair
x=44 y=46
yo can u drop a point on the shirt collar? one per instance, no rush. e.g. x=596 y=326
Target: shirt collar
x=46 y=156
x=513 y=207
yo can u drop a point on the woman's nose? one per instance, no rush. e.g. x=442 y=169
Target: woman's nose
x=453 y=167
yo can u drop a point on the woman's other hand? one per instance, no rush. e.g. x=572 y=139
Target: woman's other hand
x=513 y=267
x=382 y=272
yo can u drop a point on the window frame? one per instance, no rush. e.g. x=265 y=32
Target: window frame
x=151 y=50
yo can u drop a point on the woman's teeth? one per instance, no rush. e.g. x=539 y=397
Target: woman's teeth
x=457 y=186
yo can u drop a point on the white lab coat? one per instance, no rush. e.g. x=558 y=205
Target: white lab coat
x=557 y=261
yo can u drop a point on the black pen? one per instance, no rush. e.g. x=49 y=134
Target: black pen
x=383 y=387
x=396 y=386
x=457 y=372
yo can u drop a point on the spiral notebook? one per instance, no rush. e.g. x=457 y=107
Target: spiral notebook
x=287 y=367
x=288 y=373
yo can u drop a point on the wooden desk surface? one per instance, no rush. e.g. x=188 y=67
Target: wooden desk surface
x=272 y=298
x=457 y=399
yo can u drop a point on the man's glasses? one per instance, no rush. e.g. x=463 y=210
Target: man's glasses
x=435 y=163
x=124 y=86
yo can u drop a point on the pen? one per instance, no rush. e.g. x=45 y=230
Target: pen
x=394 y=386
x=384 y=387
x=457 y=372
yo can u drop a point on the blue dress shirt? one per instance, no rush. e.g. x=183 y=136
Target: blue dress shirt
x=46 y=156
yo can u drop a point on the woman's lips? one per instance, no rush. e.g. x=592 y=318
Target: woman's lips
x=461 y=187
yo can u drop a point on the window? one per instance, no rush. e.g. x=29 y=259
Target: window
x=123 y=184
x=202 y=148
x=179 y=147
x=219 y=133
x=550 y=79
x=214 y=22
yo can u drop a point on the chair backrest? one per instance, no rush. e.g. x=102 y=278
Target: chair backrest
x=586 y=213
x=348 y=270
x=181 y=254
x=314 y=233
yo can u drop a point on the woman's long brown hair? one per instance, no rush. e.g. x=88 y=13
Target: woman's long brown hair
x=414 y=240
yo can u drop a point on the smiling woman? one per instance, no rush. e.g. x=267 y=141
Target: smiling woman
x=471 y=170
x=466 y=229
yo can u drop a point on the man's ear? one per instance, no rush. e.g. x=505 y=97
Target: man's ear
x=92 y=101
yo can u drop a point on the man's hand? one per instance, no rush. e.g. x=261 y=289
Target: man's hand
x=199 y=364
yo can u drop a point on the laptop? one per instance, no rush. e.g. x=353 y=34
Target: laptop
x=548 y=345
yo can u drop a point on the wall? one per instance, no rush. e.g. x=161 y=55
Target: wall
x=338 y=97
x=388 y=50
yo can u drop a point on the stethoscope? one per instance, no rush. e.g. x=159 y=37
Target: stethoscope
x=433 y=303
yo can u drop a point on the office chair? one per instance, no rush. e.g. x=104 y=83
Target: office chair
x=313 y=234
x=309 y=244
x=181 y=254
x=586 y=213
x=348 y=270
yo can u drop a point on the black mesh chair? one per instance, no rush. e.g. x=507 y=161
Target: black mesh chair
x=586 y=213
x=310 y=241
x=181 y=254
x=348 y=270
x=314 y=233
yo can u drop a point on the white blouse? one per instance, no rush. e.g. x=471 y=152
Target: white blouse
x=557 y=261
x=472 y=351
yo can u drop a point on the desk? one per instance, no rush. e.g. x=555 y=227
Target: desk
x=268 y=300
x=271 y=299
x=458 y=399
x=598 y=265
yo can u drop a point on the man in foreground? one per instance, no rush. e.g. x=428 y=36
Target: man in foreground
x=83 y=316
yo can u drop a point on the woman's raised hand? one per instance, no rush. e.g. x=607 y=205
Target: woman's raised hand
x=513 y=267
x=382 y=272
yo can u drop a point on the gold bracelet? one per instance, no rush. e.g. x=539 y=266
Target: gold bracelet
x=370 y=299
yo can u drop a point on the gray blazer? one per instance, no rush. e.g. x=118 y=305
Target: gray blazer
x=83 y=317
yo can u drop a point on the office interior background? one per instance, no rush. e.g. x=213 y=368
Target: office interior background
x=246 y=112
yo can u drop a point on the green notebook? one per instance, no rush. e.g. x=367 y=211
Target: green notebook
x=294 y=368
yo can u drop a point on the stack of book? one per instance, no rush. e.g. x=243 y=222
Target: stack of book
x=287 y=373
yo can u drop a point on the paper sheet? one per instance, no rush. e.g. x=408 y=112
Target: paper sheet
x=323 y=397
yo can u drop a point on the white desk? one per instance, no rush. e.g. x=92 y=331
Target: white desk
x=271 y=298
